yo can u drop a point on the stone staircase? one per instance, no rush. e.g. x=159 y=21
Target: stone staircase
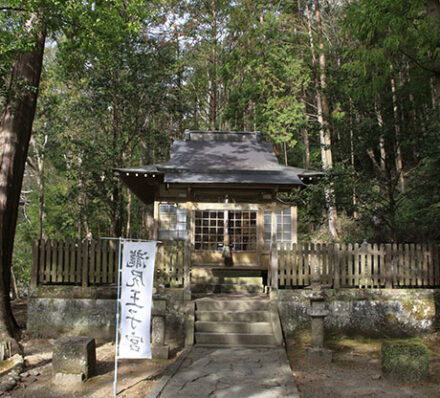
x=244 y=321
x=206 y=281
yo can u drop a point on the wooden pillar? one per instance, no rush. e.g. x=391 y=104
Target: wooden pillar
x=260 y=234
x=187 y=253
x=156 y=221
x=274 y=255
x=294 y=215
x=226 y=239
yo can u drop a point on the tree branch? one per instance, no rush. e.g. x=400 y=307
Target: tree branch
x=5 y=8
x=418 y=63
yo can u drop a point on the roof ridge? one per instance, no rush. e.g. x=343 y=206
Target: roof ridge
x=226 y=135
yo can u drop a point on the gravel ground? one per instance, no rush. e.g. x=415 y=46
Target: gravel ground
x=135 y=377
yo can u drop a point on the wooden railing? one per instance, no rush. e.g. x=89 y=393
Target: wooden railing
x=95 y=263
x=359 y=266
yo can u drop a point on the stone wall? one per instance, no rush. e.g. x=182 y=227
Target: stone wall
x=365 y=312
x=53 y=317
x=53 y=312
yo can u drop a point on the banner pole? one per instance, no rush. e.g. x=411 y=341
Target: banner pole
x=115 y=383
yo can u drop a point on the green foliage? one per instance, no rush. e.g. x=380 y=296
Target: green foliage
x=123 y=78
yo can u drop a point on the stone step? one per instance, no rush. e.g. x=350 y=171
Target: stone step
x=231 y=305
x=233 y=316
x=234 y=327
x=235 y=339
x=225 y=288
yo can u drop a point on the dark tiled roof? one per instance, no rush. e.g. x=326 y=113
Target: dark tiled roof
x=224 y=158
x=222 y=155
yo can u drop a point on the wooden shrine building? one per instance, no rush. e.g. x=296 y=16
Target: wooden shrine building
x=223 y=229
x=219 y=190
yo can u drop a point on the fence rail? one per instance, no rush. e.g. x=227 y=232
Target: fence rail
x=360 y=266
x=95 y=263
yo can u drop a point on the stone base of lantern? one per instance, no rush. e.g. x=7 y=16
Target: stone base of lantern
x=319 y=355
x=160 y=352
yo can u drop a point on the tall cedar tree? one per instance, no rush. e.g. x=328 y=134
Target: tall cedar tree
x=15 y=133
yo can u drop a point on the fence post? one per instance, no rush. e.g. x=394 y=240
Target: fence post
x=388 y=267
x=35 y=264
x=334 y=253
x=274 y=268
x=85 y=264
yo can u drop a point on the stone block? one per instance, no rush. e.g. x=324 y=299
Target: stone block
x=159 y=304
x=74 y=356
x=160 y=352
x=189 y=323
x=319 y=355
x=14 y=365
x=318 y=332
x=158 y=330
x=405 y=360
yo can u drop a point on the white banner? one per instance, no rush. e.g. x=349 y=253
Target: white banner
x=136 y=297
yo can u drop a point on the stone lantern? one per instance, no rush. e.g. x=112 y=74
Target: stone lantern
x=317 y=313
x=158 y=315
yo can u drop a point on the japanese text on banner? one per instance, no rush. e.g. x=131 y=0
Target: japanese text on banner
x=136 y=298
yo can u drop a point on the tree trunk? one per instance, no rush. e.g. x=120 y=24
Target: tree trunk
x=433 y=9
x=352 y=160
x=323 y=117
x=305 y=135
x=382 y=148
x=397 y=130
x=39 y=172
x=306 y=148
x=435 y=91
x=179 y=84
x=148 y=222
x=116 y=200
x=15 y=132
x=128 y=228
x=213 y=77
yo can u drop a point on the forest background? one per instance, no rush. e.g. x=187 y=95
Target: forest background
x=348 y=87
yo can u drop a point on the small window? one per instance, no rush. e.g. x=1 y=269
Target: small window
x=242 y=229
x=284 y=227
x=172 y=221
x=209 y=229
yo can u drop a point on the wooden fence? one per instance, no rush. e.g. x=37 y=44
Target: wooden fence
x=95 y=263
x=359 y=266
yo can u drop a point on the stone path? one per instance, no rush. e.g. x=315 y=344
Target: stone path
x=237 y=372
